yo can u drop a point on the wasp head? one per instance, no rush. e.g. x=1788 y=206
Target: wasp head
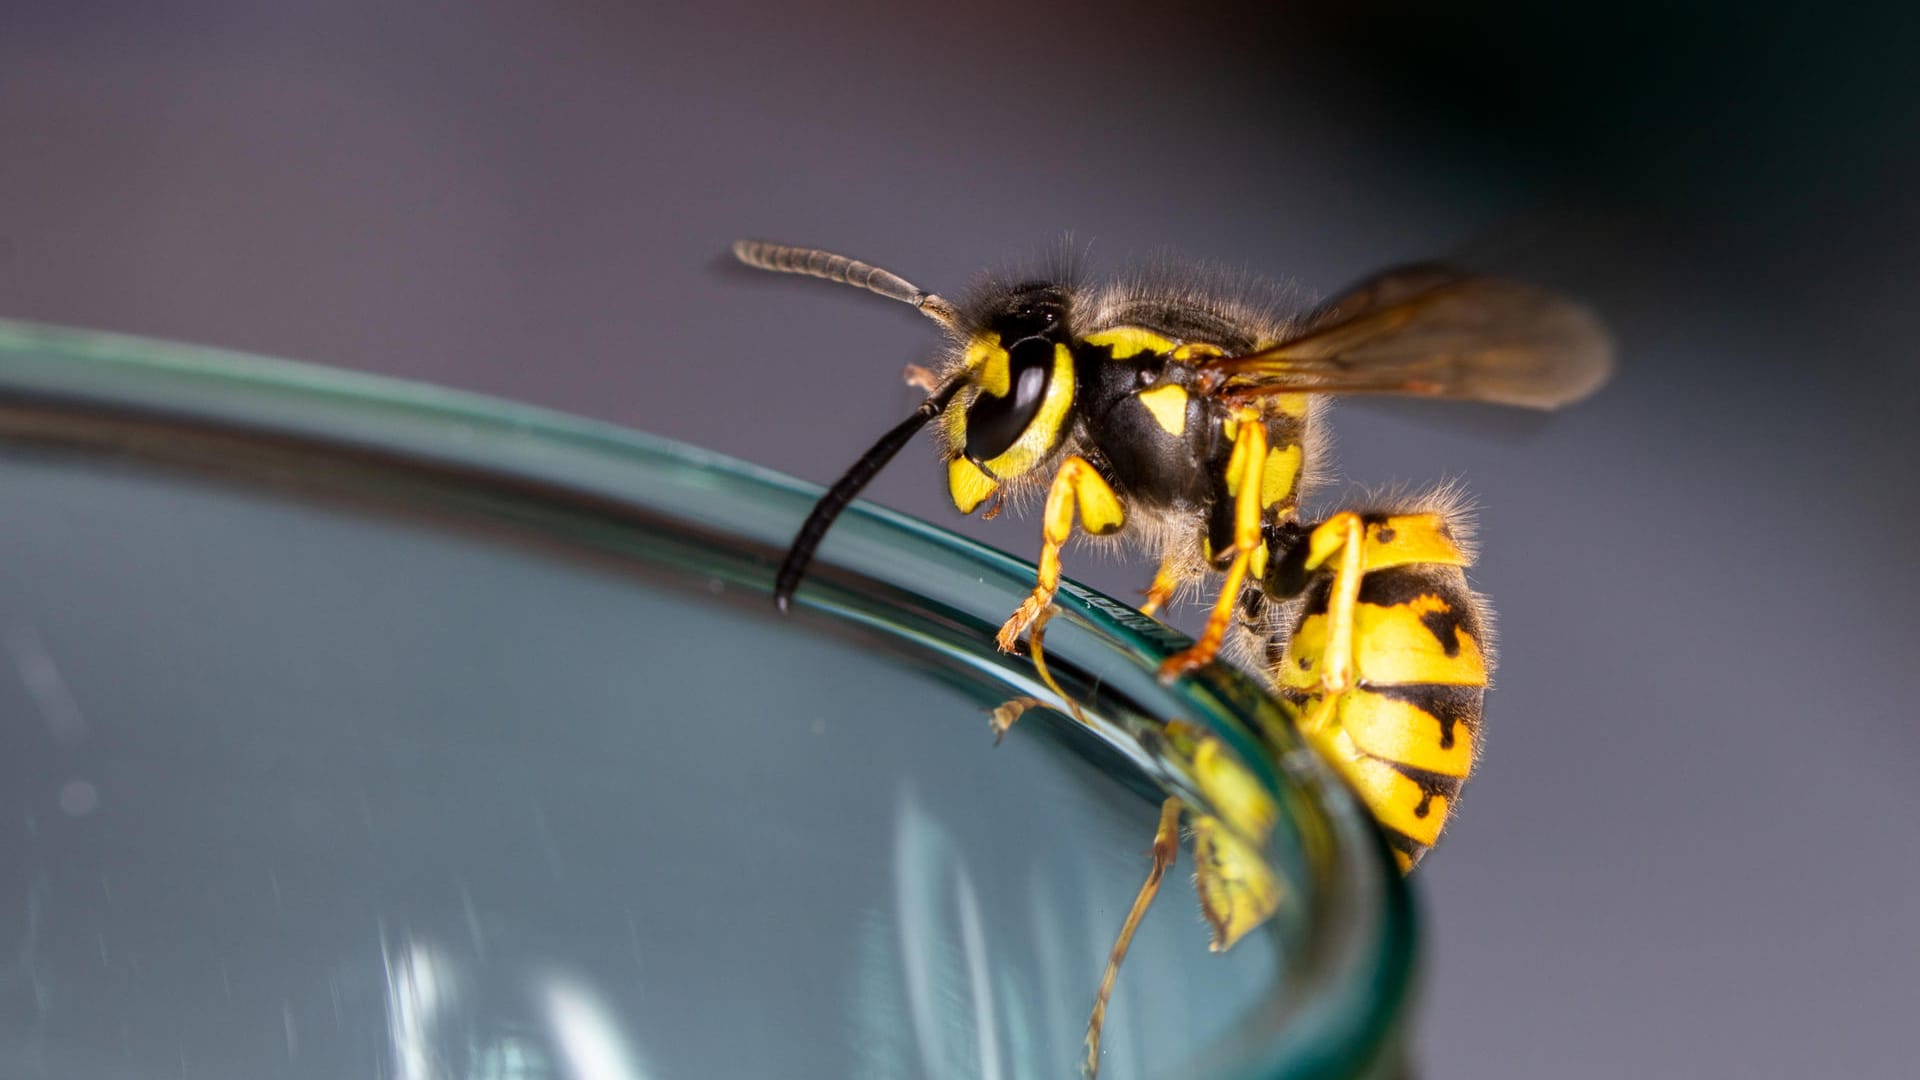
x=1016 y=398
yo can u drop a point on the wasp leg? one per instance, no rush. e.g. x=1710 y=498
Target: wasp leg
x=1165 y=581
x=1003 y=716
x=1244 y=472
x=1166 y=848
x=1077 y=484
x=1343 y=536
x=1036 y=639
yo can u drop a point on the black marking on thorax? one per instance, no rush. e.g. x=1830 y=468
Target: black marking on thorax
x=1150 y=464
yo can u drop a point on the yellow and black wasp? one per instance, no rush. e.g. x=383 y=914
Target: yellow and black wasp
x=1183 y=416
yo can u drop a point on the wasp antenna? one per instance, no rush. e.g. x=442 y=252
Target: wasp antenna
x=814 y=262
x=846 y=488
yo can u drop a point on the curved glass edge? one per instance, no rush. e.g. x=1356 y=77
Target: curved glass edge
x=1364 y=924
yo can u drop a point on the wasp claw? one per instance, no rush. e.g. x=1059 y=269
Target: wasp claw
x=1182 y=662
x=1016 y=626
x=1002 y=718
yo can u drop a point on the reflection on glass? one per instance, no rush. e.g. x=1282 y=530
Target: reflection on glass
x=363 y=730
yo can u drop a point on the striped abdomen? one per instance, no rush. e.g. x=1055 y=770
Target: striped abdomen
x=1405 y=729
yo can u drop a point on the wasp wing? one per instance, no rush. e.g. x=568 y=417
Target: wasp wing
x=1434 y=332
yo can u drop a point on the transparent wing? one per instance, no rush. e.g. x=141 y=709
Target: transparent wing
x=1434 y=332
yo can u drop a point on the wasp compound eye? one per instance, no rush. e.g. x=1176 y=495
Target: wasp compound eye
x=995 y=423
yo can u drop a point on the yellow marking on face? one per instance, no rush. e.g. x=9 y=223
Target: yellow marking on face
x=983 y=353
x=1411 y=538
x=1168 y=404
x=968 y=485
x=1401 y=731
x=1282 y=471
x=1130 y=341
x=990 y=364
x=1391 y=647
x=1044 y=433
x=1237 y=889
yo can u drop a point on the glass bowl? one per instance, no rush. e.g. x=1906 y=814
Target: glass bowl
x=364 y=729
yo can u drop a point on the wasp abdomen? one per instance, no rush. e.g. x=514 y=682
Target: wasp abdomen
x=1389 y=671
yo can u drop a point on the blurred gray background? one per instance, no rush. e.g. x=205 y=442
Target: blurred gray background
x=1689 y=851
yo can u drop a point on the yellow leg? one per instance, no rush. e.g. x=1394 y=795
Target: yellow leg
x=1077 y=484
x=1036 y=639
x=1003 y=717
x=1344 y=535
x=1161 y=591
x=1244 y=471
x=1166 y=848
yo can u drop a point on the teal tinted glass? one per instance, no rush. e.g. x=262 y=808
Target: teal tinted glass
x=359 y=728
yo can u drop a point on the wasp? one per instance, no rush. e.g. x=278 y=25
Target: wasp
x=1181 y=413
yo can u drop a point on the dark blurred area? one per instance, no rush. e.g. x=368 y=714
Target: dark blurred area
x=1682 y=855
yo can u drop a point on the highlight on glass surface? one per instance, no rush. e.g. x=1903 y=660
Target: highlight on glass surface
x=377 y=729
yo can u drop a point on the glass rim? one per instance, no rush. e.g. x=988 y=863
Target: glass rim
x=1337 y=1016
